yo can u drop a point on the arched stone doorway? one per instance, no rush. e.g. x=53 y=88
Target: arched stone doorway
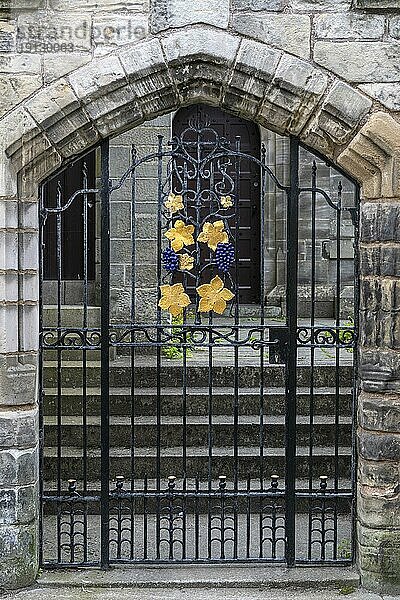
x=368 y=151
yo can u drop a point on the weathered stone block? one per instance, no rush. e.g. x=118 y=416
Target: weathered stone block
x=148 y=75
x=200 y=61
x=121 y=225
x=64 y=31
x=18 y=429
x=376 y=510
x=295 y=90
x=267 y=5
x=380 y=222
x=379 y=554
x=379 y=370
x=379 y=413
x=121 y=250
x=18 y=467
x=109 y=31
x=377 y=4
x=379 y=446
x=349 y=26
x=16 y=88
x=339 y=116
x=386 y=93
x=380 y=475
x=101 y=75
x=282 y=31
x=380 y=313
x=19 y=505
x=318 y=5
x=55 y=65
x=106 y=5
x=178 y=13
x=28 y=64
x=360 y=62
x=380 y=260
x=7 y=35
x=18 y=548
x=254 y=69
x=17 y=382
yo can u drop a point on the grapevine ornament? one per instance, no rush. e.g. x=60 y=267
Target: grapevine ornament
x=174 y=203
x=214 y=296
x=180 y=235
x=173 y=299
x=186 y=262
x=170 y=260
x=226 y=201
x=213 y=234
x=224 y=257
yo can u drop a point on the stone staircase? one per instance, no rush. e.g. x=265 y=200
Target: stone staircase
x=173 y=428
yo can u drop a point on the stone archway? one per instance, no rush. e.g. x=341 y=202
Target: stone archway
x=118 y=91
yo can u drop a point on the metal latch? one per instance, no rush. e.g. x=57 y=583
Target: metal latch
x=278 y=351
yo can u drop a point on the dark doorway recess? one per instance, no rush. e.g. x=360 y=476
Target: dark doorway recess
x=247 y=135
x=71 y=245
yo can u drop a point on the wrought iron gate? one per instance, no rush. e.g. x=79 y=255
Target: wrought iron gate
x=214 y=431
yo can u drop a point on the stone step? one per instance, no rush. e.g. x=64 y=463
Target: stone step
x=197 y=402
x=71 y=316
x=196 y=432
x=197 y=462
x=206 y=581
x=171 y=374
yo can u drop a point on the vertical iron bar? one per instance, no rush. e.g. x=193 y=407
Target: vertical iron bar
x=312 y=349
x=356 y=222
x=159 y=275
x=105 y=355
x=84 y=352
x=236 y=349
x=337 y=365
x=262 y=434
x=59 y=357
x=133 y=349
x=291 y=295
x=42 y=222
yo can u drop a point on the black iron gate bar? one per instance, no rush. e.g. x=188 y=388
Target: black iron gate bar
x=285 y=338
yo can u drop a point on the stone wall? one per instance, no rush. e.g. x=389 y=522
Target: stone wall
x=320 y=69
x=143 y=221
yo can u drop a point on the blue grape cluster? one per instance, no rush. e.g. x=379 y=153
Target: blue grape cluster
x=224 y=256
x=170 y=260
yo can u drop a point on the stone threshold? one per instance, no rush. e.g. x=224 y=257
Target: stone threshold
x=204 y=576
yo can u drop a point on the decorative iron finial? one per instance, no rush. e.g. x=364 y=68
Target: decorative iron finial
x=274 y=481
x=72 y=486
x=119 y=482
x=222 y=482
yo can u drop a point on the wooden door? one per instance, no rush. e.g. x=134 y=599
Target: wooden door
x=231 y=127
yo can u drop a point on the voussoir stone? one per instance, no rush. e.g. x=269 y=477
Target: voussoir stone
x=339 y=116
x=387 y=94
x=254 y=69
x=295 y=90
x=89 y=81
